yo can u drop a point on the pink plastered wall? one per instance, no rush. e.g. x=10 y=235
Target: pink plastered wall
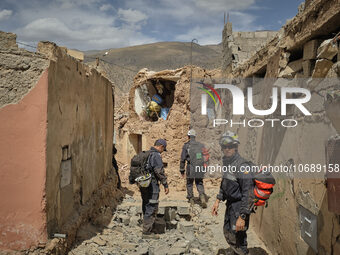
x=23 y=128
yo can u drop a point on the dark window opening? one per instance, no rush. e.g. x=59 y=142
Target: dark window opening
x=135 y=144
x=154 y=99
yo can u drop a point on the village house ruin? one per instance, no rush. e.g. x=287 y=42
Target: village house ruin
x=57 y=134
x=306 y=47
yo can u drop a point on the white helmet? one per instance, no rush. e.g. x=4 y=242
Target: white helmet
x=191 y=132
x=229 y=138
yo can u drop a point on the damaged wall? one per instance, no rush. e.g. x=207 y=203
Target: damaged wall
x=56 y=143
x=79 y=139
x=174 y=129
x=305 y=48
x=240 y=46
x=23 y=117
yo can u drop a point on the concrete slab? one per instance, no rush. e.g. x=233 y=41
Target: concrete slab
x=310 y=49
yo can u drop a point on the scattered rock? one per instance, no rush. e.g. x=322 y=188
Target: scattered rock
x=124 y=219
x=161 y=210
x=291 y=69
x=176 y=251
x=143 y=251
x=99 y=241
x=186 y=227
x=183 y=210
x=159 y=225
x=134 y=221
x=310 y=49
x=196 y=251
x=327 y=50
x=170 y=214
x=322 y=67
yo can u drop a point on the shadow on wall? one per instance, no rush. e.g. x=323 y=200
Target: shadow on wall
x=101 y=221
x=328 y=231
x=328 y=218
x=271 y=143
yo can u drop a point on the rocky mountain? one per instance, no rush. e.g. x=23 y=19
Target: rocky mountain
x=122 y=64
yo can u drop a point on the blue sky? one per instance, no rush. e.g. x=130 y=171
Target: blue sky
x=102 y=24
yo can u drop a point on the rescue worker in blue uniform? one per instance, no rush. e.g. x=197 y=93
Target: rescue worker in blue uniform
x=150 y=195
x=237 y=189
x=191 y=175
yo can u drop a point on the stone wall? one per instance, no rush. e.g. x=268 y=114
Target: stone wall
x=237 y=47
x=19 y=70
x=56 y=145
x=79 y=138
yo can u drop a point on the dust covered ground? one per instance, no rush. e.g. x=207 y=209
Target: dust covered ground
x=187 y=230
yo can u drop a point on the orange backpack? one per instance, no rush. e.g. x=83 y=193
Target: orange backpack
x=264 y=183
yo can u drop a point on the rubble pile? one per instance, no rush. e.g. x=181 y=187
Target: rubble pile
x=182 y=230
x=174 y=128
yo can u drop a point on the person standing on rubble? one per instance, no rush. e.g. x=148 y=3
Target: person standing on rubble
x=150 y=194
x=195 y=156
x=237 y=188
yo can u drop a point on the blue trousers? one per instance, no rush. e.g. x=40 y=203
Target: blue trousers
x=236 y=240
x=150 y=196
x=190 y=187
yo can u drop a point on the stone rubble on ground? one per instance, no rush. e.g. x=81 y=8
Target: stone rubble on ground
x=183 y=230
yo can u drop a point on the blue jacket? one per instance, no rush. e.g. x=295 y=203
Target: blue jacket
x=237 y=187
x=156 y=166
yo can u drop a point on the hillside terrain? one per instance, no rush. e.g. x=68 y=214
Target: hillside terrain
x=122 y=64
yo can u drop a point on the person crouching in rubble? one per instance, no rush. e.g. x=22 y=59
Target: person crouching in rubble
x=150 y=195
x=237 y=188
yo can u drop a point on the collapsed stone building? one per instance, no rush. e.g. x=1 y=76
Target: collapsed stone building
x=303 y=214
x=134 y=132
x=237 y=47
x=56 y=145
x=56 y=149
x=304 y=53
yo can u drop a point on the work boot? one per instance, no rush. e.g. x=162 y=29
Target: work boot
x=191 y=201
x=149 y=235
x=203 y=201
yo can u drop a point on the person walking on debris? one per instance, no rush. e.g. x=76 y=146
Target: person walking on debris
x=150 y=194
x=237 y=188
x=115 y=165
x=196 y=156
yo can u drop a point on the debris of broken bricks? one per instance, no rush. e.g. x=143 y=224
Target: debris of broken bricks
x=327 y=50
x=168 y=215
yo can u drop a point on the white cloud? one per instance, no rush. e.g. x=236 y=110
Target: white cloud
x=66 y=4
x=244 y=22
x=204 y=34
x=189 y=11
x=223 y=5
x=212 y=33
x=131 y=16
x=106 y=7
x=83 y=37
x=5 y=14
x=99 y=24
